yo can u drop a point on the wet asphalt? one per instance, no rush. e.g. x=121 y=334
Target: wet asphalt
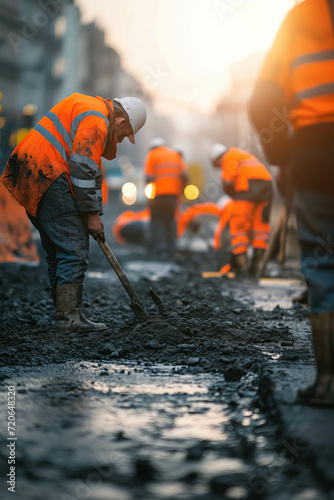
x=194 y=404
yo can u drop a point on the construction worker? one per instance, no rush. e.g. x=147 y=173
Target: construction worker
x=247 y=181
x=167 y=172
x=292 y=108
x=131 y=227
x=55 y=174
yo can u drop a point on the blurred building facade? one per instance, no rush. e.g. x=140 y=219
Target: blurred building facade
x=46 y=53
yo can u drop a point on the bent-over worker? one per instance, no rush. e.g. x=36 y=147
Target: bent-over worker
x=247 y=181
x=55 y=174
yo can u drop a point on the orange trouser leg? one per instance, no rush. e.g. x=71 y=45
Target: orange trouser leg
x=241 y=225
x=260 y=226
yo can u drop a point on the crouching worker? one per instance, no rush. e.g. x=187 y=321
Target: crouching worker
x=247 y=181
x=55 y=174
x=132 y=227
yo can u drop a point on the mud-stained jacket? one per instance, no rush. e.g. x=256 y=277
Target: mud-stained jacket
x=166 y=169
x=245 y=176
x=70 y=139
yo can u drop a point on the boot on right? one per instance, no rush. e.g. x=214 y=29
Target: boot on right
x=321 y=393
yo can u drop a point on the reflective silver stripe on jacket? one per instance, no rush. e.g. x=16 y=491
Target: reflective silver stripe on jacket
x=325 y=55
x=84 y=159
x=167 y=174
x=90 y=183
x=318 y=91
x=52 y=140
x=60 y=128
x=82 y=116
x=249 y=163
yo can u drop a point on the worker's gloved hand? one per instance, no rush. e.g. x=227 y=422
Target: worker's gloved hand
x=95 y=226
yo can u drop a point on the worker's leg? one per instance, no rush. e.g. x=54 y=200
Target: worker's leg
x=240 y=229
x=49 y=247
x=65 y=228
x=156 y=230
x=261 y=233
x=162 y=223
x=170 y=223
x=315 y=216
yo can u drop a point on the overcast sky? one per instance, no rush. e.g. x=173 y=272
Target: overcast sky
x=181 y=49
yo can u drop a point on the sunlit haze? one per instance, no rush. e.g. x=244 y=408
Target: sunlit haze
x=180 y=50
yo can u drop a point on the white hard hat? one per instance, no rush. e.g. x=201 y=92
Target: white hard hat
x=136 y=112
x=179 y=149
x=217 y=150
x=157 y=142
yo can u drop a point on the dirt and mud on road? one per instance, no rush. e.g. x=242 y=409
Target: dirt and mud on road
x=194 y=404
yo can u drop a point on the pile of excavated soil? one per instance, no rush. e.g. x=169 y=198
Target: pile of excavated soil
x=203 y=328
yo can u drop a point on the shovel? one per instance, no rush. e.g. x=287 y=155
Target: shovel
x=136 y=305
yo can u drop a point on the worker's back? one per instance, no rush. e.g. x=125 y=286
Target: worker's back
x=251 y=180
x=44 y=154
x=165 y=168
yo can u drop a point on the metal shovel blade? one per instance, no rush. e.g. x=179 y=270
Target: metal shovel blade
x=139 y=312
x=158 y=302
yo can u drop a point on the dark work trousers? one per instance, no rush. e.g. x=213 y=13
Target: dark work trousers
x=162 y=233
x=63 y=233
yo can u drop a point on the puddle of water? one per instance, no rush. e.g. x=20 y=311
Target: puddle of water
x=156 y=389
x=276 y=282
x=101 y=275
x=272 y=355
x=154 y=270
x=207 y=426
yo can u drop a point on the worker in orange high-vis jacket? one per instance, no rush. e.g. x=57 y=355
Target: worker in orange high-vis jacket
x=292 y=108
x=247 y=181
x=167 y=172
x=55 y=174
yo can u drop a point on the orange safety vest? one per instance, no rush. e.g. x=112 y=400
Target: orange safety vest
x=250 y=178
x=301 y=63
x=79 y=128
x=166 y=169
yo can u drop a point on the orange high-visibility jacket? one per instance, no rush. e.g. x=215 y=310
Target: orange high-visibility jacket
x=166 y=169
x=248 y=177
x=301 y=64
x=70 y=139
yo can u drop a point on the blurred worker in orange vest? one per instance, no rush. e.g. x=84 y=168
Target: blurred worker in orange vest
x=247 y=181
x=55 y=174
x=167 y=172
x=292 y=108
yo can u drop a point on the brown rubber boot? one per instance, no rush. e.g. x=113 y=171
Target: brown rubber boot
x=239 y=262
x=254 y=267
x=68 y=310
x=321 y=393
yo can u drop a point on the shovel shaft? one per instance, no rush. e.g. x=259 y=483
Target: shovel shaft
x=120 y=273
